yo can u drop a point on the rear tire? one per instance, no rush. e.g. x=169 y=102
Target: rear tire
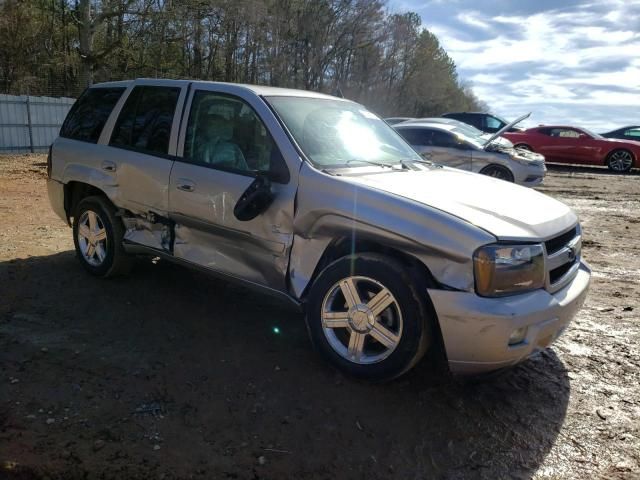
x=620 y=161
x=379 y=332
x=498 y=171
x=97 y=236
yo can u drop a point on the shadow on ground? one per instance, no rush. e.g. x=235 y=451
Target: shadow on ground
x=170 y=374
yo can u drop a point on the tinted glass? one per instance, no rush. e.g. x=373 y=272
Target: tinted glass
x=225 y=132
x=494 y=124
x=443 y=139
x=416 y=136
x=89 y=114
x=633 y=132
x=338 y=133
x=145 y=120
x=471 y=119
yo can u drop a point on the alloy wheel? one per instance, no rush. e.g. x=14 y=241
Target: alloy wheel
x=92 y=238
x=620 y=161
x=498 y=172
x=361 y=320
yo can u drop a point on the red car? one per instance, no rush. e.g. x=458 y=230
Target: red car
x=577 y=145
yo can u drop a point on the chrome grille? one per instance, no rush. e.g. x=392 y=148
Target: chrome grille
x=563 y=258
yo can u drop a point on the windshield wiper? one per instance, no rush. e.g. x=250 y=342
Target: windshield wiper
x=404 y=161
x=370 y=162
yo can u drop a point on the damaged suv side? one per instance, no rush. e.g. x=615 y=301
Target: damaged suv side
x=315 y=199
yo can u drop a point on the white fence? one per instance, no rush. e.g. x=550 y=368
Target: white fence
x=30 y=124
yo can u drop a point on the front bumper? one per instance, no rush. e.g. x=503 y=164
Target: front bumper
x=476 y=330
x=529 y=175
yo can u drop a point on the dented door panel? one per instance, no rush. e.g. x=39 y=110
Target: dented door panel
x=202 y=201
x=208 y=234
x=451 y=157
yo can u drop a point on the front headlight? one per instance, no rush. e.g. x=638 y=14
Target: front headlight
x=508 y=269
x=528 y=160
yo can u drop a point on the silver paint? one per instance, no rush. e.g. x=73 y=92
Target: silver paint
x=440 y=216
x=523 y=165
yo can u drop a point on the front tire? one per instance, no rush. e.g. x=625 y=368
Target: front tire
x=367 y=318
x=97 y=236
x=620 y=161
x=498 y=171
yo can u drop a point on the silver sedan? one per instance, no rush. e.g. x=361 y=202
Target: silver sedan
x=456 y=147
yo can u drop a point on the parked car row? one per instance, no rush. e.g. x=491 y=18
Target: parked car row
x=455 y=145
x=318 y=201
x=619 y=149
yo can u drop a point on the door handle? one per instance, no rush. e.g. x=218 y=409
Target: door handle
x=185 y=185
x=108 y=166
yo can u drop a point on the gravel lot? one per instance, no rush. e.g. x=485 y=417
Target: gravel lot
x=171 y=374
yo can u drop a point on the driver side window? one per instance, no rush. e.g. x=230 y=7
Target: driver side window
x=224 y=132
x=443 y=139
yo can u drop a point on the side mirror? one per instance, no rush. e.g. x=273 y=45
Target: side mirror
x=255 y=199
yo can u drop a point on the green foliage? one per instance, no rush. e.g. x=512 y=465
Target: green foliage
x=386 y=61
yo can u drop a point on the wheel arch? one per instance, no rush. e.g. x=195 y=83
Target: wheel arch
x=491 y=165
x=621 y=149
x=343 y=246
x=418 y=270
x=75 y=191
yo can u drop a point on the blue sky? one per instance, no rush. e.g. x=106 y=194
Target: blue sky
x=567 y=61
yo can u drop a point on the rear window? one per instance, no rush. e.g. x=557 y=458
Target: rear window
x=145 y=121
x=89 y=114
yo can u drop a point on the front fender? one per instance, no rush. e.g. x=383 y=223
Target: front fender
x=330 y=208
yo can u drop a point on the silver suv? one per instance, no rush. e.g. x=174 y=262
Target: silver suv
x=318 y=201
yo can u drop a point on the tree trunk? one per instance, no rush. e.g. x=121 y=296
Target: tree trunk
x=85 y=39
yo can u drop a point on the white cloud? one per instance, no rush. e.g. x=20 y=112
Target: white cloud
x=575 y=65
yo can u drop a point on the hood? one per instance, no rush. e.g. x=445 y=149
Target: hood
x=505 y=128
x=517 y=154
x=505 y=142
x=506 y=210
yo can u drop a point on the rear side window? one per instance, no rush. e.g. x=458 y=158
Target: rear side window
x=89 y=114
x=474 y=120
x=467 y=118
x=416 y=136
x=443 y=139
x=144 y=124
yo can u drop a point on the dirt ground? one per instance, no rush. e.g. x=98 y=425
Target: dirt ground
x=170 y=374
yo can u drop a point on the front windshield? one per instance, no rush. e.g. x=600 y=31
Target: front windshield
x=469 y=137
x=337 y=133
x=591 y=134
x=471 y=131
